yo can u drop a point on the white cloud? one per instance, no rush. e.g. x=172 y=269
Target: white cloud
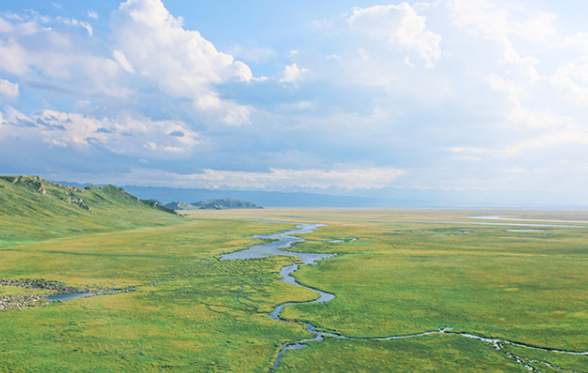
x=123 y=62
x=180 y=62
x=425 y=5
x=92 y=14
x=500 y=18
x=566 y=135
x=164 y=58
x=572 y=80
x=275 y=179
x=126 y=134
x=8 y=88
x=401 y=27
x=534 y=102
x=36 y=53
x=5 y=26
x=578 y=41
x=293 y=74
x=75 y=22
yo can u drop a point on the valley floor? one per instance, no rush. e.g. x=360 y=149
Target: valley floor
x=396 y=272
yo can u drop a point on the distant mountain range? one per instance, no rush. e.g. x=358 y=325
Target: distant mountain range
x=383 y=197
x=213 y=204
x=262 y=198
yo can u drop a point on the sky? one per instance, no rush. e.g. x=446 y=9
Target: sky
x=469 y=97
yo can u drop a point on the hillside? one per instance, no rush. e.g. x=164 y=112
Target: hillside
x=213 y=204
x=32 y=208
x=224 y=203
x=175 y=205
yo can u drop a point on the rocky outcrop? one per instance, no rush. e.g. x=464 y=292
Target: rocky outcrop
x=46 y=285
x=27 y=301
x=31 y=182
x=75 y=200
x=22 y=301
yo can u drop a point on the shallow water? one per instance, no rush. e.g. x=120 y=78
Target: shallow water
x=282 y=241
x=526 y=219
x=65 y=297
x=286 y=239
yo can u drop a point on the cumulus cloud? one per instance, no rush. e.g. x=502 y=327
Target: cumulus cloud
x=8 y=88
x=151 y=53
x=293 y=74
x=127 y=134
x=35 y=52
x=123 y=62
x=509 y=90
x=180 y=62
x=540 y=103
x=500 y=18
x=398 y=26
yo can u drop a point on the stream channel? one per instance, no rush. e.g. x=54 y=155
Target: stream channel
x=283 y=241
x=61 y=297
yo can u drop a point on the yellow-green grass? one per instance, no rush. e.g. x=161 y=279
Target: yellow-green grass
x=10 y=291
x=400 y=278
x=189 y=311
x=334 y=214
x=33 y=209
x=192 y=312
x=534 y=358
x=433 y=353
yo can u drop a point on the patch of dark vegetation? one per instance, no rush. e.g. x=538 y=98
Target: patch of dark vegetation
x=213 y=204
x=157 y=205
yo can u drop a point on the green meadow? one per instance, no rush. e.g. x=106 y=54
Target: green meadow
x=189 y=311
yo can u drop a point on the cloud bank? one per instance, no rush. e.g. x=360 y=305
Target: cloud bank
x=455 y=95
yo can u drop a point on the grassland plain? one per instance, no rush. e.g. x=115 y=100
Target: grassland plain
x=191 y=312
x=513 y=283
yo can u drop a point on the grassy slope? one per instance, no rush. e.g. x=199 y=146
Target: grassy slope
x=34 y=209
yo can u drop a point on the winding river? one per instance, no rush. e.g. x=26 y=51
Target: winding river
x=279 y=245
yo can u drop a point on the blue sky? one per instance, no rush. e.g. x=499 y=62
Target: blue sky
x=474 y=97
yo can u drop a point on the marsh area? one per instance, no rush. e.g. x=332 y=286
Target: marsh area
x=426 y=296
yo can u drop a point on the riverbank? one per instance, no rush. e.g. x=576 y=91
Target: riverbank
x=52 y=291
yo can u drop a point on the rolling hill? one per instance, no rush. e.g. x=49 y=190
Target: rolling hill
x=32 y=208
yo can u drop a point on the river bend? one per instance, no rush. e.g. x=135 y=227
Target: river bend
x=283 y=241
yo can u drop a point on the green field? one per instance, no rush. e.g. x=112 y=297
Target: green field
x=188 y=311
